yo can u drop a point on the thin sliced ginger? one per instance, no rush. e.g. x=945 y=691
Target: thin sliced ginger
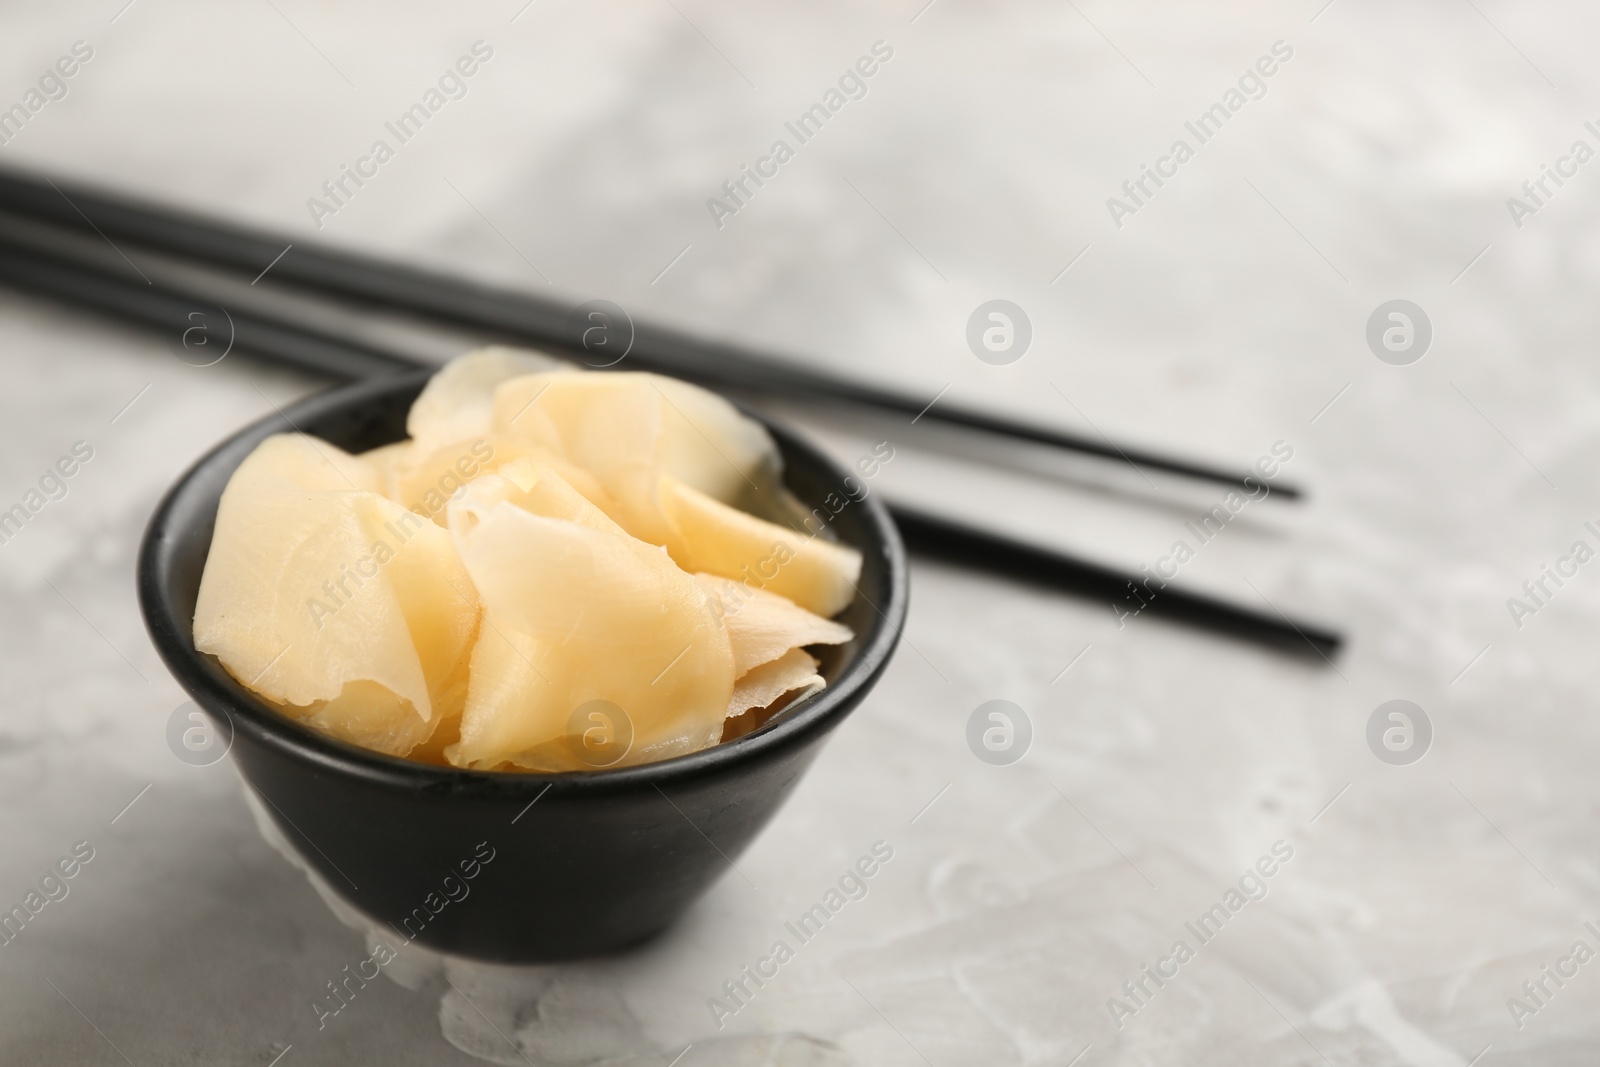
x=556 y=571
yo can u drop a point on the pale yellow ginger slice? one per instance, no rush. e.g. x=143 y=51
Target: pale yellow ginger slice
x=763 y=685
x=763 y=626
x=371 y=715
x=533 y=484
x=389 y=463
x=451 y=440
x=608 y=424
x=672 y=457
x=294 y=462
x=709 y=444
x=329 y=599
x=457 y=404
x=578 y=616
x=511 y=680
x=506 y=665
x=426 y=483
x=627 y=428
x=707 y=535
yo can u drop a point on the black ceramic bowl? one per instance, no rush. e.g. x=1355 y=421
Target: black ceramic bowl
x=602 y=859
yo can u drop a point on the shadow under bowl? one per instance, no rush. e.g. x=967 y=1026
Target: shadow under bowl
x=583 y=863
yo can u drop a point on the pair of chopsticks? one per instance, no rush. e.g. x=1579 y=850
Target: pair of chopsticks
x=53 y=241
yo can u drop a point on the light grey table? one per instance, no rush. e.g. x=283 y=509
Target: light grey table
x=1227 y=311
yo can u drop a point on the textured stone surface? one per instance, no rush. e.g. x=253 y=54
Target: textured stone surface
x=1227 y=314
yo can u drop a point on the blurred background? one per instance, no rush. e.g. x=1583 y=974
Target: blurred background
x=1213 y=316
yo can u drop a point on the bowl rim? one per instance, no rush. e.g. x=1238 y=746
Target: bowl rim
x=214 y=690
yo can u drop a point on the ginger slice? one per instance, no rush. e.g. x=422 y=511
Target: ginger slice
x=578 y=615
x=707 y=535
x=334 y=602
x=627 y=428
x=674 y=460
x=763 y=685
x=532 y=484
x=763 y=626
x=389 y=462
x=752 y=719
x=427 y=482
x=457 y=404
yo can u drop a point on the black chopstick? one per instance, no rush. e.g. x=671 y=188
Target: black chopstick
x=1128 y=596
x=517 y=316
x=169 y=308
x=173 y=311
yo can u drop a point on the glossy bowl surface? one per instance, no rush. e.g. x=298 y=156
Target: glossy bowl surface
x=513 y=867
